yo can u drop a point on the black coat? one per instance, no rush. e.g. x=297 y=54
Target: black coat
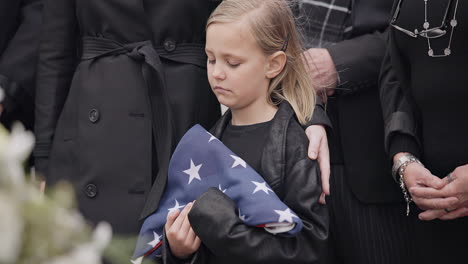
x=116 y=77
x=293 y=177
x=357 y=115
x=20 y=23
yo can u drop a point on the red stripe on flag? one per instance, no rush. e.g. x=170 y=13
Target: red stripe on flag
x=153 y=249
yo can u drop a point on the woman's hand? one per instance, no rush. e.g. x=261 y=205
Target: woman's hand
x=416 y=175
x=180 y=235
x=456 y=188
x=318 y=149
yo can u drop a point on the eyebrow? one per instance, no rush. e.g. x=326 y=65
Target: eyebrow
x=228 y=55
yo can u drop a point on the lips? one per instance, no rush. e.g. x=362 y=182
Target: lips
x=221 y=89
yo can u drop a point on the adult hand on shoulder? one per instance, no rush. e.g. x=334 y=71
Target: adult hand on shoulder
x=318 y=149
x=456 y=188
x=182 y=239
x=322 y=71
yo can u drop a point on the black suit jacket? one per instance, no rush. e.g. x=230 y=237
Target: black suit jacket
x=20 y=23
x=357 y=116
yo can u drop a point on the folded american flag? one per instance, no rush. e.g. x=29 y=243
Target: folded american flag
x=199 y=162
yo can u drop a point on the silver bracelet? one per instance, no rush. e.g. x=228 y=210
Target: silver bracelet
x=403 y=163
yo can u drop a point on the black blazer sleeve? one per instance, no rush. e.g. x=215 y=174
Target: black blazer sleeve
x=214 y=219
x=19 y=40
x=401 y=126
x=320 y=116
x=358 y=61
x=57 y=61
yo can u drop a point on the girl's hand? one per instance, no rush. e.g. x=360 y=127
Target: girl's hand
x=182 y=240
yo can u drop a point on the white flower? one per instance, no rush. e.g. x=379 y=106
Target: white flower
x=14 y=150
x=102 y=235
x=89 y=253
x=11 y=229
x=81 y=254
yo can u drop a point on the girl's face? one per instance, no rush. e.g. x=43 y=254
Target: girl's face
x=237 y=67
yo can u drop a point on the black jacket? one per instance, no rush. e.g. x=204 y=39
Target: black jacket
x=356 y=113
x=20 y=23
x=294 y=178
x=113 y=78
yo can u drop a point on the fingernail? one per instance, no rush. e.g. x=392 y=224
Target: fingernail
x=313 y=154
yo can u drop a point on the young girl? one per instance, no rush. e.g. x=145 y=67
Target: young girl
x=256 y=68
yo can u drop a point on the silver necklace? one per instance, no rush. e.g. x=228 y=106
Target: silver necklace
x=453 y=24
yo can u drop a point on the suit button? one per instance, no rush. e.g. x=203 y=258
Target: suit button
x=169 y=45
x=93 y=115
x=91 y=190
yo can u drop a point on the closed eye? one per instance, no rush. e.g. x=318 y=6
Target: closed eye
x=233 y=65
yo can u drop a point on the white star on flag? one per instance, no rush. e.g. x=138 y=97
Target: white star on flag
x=193 y=172
x=238 y=161
x=285 y=216
x=221 y=189
x=157 y=239
x=241 y=217
x=261 y=187
x=137 y=261
x=176 y=207
x=211 y=138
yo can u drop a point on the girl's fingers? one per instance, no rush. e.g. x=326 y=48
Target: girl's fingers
x=180 y=219
x=171 y=219
x=190 y=237
x=185 y=226
x=196 y=243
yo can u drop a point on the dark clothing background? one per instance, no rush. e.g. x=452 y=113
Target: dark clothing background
x=247 y=142
x=103 y=71
x=369 y=233
x=367 y=220
x=20 y=23
x=443 y=129
x=351 y=30
x=424 y=105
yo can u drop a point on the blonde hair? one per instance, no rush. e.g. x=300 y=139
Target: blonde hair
x=273 y=26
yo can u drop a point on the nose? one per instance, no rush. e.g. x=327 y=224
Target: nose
x=218 y=72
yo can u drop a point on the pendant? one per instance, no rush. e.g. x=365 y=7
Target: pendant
x=431 y=52
x=447 y=51
x=453 y=22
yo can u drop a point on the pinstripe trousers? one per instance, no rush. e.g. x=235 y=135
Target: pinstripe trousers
x=366 y=233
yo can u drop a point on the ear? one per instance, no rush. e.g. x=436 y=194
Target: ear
x=275 y=64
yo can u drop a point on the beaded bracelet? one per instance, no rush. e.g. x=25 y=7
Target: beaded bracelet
x=401 y=173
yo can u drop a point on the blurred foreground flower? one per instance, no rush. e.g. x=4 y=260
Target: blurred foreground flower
x=35 y=228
